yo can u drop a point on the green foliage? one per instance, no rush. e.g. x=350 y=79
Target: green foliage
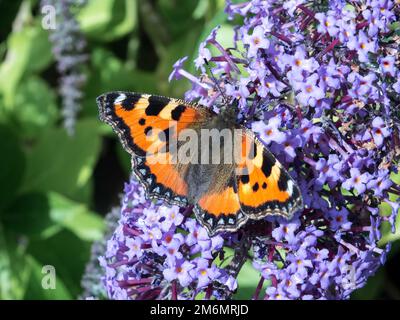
x=248 y=279
x=47 y=176
x=28 y=51
x=64 y=163
x=12 y=162
x=108 y=20
x=35 y=107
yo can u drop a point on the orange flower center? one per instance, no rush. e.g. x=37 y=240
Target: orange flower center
x=285 y=229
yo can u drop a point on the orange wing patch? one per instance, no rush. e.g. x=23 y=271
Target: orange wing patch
x=220 y=211
x=264 y=186
x=147 y=117
x=166 y=173
x=145 y=124
x=224 y=203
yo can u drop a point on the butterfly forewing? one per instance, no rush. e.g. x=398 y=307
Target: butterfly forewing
x=144 y=124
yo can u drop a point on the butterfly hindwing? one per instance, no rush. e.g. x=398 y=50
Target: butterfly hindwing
x=220 y=210
x=264 y=186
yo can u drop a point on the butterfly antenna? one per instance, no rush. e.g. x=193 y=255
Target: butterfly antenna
x=216 y=83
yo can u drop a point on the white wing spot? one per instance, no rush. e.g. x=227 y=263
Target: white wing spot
x=290 y=187
x=120 y=98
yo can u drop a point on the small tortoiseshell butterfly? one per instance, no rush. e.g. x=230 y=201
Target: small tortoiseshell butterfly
x=224 y=194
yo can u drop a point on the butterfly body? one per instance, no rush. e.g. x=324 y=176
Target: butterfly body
x=186 y=154
x=204 y=175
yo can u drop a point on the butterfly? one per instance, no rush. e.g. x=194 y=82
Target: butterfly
x=224 y=194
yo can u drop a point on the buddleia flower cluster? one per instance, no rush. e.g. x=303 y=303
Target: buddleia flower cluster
x=318 y=82
x=160 y=252
x=69 y=46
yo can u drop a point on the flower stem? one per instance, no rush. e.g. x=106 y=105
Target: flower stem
x=330 y=47
x=306 y=10
x=209 y=291
x=281 y=37
x=174 y=289
x=258 y=289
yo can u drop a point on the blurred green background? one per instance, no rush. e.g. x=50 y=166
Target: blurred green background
x=55 y=188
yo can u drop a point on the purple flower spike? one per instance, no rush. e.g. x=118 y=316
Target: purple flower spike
x=327 y=24
x=178 y=66
x=363 y=45
x=357 y=181
x=310 y=92
x=146 y=252
x=378 y=133
x=257 y=40
x=318 y=85
x=270 y=132
x=179 y=270
x=387 y=65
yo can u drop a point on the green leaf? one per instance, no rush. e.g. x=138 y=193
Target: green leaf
x=35 y=106
x=387 y=235
x=14 y=269
x=39 y=215
x=20 y=273
x=76 y=218
x=372 y=289
x=110 y=73
x=181 y=47
x=64 y=163
x=248 y=280
x=108 y=20
x=12 y=162
x=201 y=9
x=386 y=210
x=28 y=51
x=395 y=26
x=34 y=289
x=67 y=254
x=29 y=215
x=178 y=19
